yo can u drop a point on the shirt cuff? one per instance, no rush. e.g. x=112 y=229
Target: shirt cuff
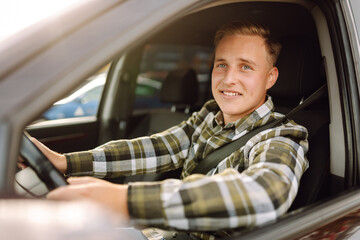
x=79 y=164
x=144 y=203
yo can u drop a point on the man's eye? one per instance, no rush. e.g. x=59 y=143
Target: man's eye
x=221 y=65
x=246 y=67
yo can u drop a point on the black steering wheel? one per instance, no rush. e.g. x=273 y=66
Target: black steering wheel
x=45 y=170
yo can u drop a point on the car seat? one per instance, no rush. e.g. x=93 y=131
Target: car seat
x=300 y=74
x=180 y=89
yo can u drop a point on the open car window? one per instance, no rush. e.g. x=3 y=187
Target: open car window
x=83 y=101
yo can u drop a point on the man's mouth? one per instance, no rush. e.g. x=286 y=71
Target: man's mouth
x=231 y=94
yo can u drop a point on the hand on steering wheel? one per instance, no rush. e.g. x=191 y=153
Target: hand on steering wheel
x=43 y=167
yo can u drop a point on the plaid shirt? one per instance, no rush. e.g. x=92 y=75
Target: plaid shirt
x=253 y=185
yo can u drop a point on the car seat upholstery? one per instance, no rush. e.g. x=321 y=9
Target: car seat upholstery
x=180 y=89
x=300 y=75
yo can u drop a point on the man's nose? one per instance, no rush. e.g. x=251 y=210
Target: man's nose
x=230 y=76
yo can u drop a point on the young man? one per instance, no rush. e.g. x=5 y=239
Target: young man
x=253 y=185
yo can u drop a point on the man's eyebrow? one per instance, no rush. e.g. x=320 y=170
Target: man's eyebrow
x=249 y=61
x=219 y=60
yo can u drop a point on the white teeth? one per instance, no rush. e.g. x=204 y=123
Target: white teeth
x=231 y=93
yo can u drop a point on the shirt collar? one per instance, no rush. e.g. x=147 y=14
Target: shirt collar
x=249 y=120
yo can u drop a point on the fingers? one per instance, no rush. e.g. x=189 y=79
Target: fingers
x=79 y=188
x=67 y=193
x=109 y=195
x=44 y=149
x=21 y=163
x=38 y=144
x=84 y=180
x=59 y=160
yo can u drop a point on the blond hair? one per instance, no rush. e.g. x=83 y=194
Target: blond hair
x=272 y=46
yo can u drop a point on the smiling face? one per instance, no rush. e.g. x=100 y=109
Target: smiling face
x=242 y=74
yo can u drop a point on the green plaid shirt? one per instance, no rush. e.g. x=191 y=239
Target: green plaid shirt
x=253 y=185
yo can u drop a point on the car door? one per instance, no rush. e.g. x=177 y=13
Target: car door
x=75 y=133
x=39 y=69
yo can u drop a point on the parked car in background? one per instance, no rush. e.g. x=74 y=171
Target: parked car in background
x=144 y=43
x=83 y=102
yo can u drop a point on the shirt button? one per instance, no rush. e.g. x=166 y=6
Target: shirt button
x=174 y=235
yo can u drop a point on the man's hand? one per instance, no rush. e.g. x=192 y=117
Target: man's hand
x=113 y=196
x=55 y=158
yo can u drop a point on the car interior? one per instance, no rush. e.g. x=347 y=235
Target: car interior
x=301 y=70
x=160 y=81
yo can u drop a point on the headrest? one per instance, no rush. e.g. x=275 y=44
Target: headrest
x=180 y=87
x=299 y=65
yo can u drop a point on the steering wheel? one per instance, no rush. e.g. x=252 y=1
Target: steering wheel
x=45 y=170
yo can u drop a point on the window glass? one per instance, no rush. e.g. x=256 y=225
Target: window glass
x=82 y=102
x=159 y=59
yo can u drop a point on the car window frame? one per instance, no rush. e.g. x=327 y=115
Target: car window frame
x=339 y=202
x=102 y=44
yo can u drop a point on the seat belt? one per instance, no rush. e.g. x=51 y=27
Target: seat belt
x=215 y=157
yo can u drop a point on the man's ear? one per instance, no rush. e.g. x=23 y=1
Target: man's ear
x=272 y=77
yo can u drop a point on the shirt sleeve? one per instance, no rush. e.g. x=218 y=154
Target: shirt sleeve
x=275 y=162
x=153 y=154
x=157 y=153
